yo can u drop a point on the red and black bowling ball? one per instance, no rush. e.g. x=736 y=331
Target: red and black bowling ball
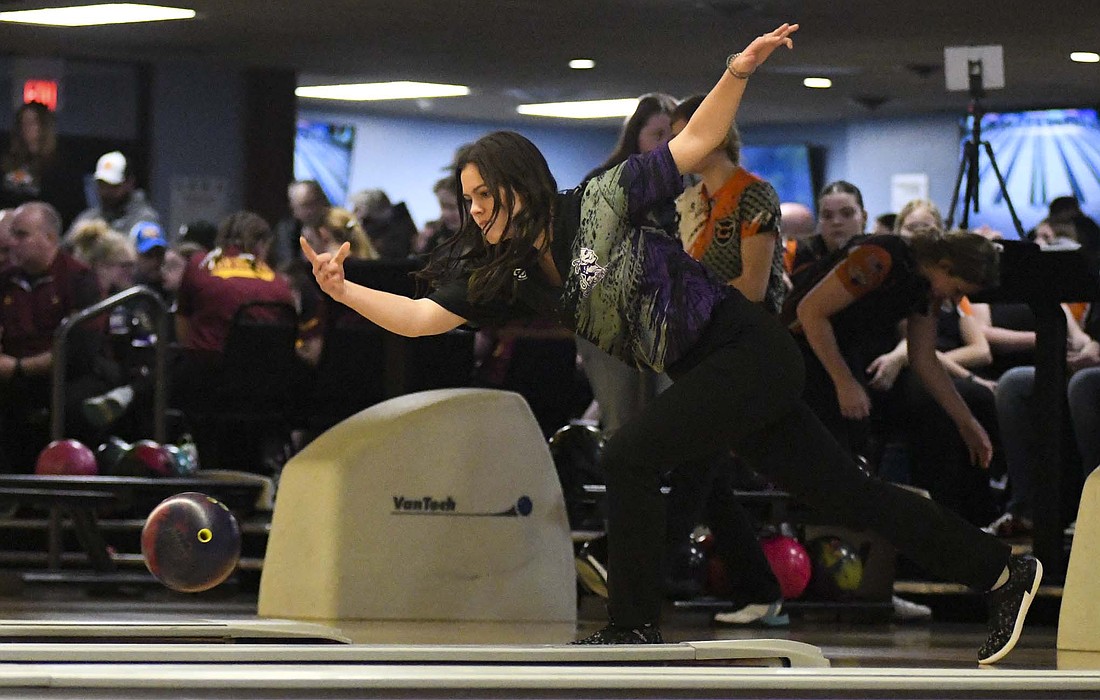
x=146 y=458
x=191 y=542
x=66 y=458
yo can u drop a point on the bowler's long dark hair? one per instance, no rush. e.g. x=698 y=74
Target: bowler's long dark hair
x=512 y=169
x=649 y=104
x=969 y=256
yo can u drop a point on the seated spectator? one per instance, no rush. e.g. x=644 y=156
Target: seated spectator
x=148 y=239
x=796 y=225
x=337 y=227
x=308 y=204
x=214 y=287
x=917 y=214
x=841 y=217
x=121 y=203
x=198 y=236
x=1010 y=327
x=131 y=326
x=1016 y=411
x=449 y=221
x=199 y=232
x=340 y=226
x=389 y=226
x=174 y=265
x=1055 y=235
x=42 y=286
x=110 y=255
x=1067 y=210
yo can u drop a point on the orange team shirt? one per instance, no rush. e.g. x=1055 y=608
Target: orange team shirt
x=712 y=227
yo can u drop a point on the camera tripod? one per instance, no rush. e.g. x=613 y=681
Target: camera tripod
x=968 y=165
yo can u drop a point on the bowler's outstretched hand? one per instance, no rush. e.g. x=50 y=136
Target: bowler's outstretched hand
x=762 y=46
x=328 y=268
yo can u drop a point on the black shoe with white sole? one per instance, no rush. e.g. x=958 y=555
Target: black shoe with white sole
x=1008 y=607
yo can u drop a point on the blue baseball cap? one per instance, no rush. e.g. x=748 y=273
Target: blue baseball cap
x=147 y=235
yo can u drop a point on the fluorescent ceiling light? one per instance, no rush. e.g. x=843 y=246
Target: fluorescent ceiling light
x=589 y=109
x=397 y=90
x=1085 y=57
x=91 y=15
x=817 y=83
x=582 y=63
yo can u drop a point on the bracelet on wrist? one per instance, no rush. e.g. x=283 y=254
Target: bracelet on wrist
x=733 y=71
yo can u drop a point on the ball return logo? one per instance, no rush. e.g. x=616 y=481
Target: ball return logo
x=448 y=506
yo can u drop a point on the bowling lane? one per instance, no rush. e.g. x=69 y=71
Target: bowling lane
x=119 y=680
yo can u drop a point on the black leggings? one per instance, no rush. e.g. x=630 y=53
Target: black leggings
x=740 y=388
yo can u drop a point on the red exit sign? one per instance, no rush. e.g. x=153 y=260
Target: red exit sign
x=44 y=91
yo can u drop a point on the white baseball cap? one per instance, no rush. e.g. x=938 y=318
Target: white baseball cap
x=111 y=168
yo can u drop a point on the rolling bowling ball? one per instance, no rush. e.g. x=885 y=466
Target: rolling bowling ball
x=66 y=458
x=191 y=542
x=790 y=563
x=145 y=458
x=109 y=453
x=837 y=568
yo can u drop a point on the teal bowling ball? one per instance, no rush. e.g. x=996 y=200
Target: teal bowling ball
x=184 y=461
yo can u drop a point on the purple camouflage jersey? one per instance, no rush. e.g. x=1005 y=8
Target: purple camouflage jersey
x=633 y=290
x=629 y=287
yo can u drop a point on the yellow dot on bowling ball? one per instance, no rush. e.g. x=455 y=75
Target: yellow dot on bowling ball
x=205 y=535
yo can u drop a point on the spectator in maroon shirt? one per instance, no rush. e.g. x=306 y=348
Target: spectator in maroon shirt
x=213 y=288
x=42 y=286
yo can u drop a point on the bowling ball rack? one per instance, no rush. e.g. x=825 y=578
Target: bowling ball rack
x=774 y=506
